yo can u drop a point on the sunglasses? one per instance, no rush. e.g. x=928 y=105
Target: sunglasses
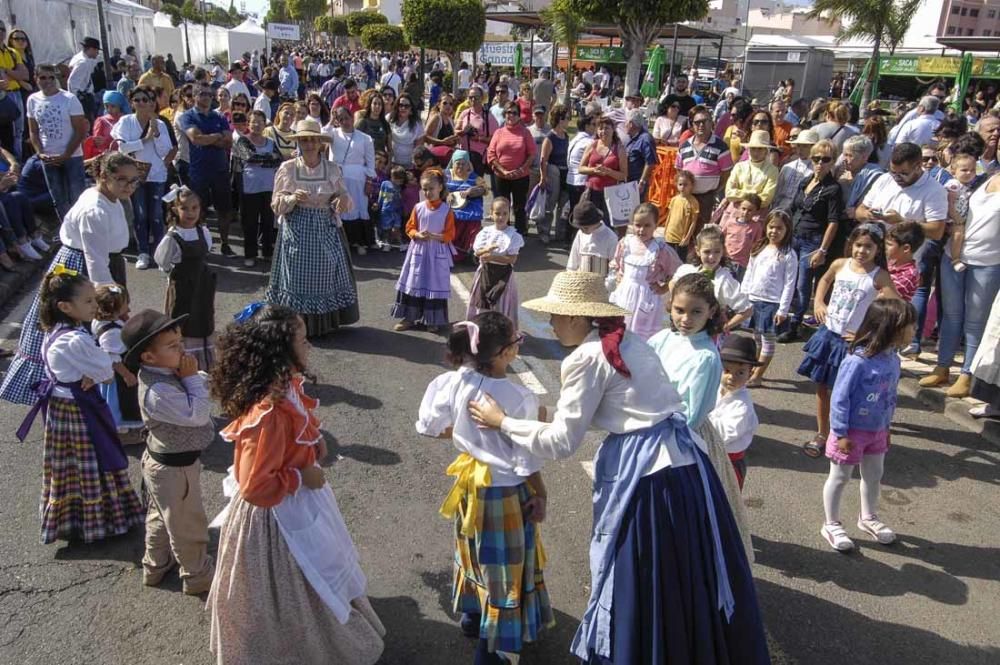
x=510 y=113
x=756 y=123
x=929 y=158
x=44 y=77
x=821 y=159
x=699 y=122
x=19 y=39
x=140 y=100
x=130 y=182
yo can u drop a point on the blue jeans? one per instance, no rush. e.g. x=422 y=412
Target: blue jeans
x=966 y=298
x=18 y=213
x=147 y=207
x=928 y=258
x=66 y=183
x=804 y=245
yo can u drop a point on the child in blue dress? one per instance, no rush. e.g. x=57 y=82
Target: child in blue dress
x=390 y=214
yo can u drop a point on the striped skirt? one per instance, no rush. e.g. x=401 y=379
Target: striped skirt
x=498 y=574
x=78 y=500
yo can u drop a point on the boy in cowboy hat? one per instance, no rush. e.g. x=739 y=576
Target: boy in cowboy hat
x=595 y=243
x=176 y=409
x=734 y=417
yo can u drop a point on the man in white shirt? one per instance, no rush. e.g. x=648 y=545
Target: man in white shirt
x=392 y=78
x=464 y=77
x=906 y=194
x=218 y=74
x=236 y=86
x=920 y=129
x=56 y=128
x=79 y=82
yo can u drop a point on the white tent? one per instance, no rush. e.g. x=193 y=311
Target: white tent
x=245 y=38
x=171 y=40
x=56 y=27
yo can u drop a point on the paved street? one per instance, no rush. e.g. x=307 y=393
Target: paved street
x=932 y=598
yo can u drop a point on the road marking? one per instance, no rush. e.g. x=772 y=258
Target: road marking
x=532 y=375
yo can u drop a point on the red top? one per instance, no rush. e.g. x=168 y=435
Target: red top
x=599 y=182
x=352 y=105
x=512 y=147
x=526 y=106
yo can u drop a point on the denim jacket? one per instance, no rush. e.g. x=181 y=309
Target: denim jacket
x=864 y=396
x=619 y=466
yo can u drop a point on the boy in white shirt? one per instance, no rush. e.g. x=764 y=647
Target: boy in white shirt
x=595 y=243
x=734 y=417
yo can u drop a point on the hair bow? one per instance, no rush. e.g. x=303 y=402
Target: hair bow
x=175 y=190
x=874 y=229
x=60 y=269
x=115 y=289
x=473 y=330
x=247 y=312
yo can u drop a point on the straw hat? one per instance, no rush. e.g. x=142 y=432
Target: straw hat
x=806 y=137
x=576 y=294
x=760 y=139
x=309 y=129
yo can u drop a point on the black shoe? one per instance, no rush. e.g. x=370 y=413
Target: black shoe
x=470 y=624
x=226 y=250
x=790 y=335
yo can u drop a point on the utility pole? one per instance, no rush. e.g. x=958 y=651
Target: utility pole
x=104 y=38
x=204 y=29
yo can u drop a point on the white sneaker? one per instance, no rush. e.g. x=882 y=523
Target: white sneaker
x=248 y=263
x=834 y=534
x=362 y=250
x=28 y=252
x=386 y=247
x=144 y=262
x=877 y=530
x=40 y=244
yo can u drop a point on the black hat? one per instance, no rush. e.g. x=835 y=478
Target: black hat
x=236 y=65
x=739 y=349
x=90 y=42
x=586 y=214
x=141 y=329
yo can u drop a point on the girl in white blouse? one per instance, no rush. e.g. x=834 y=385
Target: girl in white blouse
x=498 y=496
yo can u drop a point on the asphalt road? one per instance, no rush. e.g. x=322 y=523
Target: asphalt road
x=932 y=598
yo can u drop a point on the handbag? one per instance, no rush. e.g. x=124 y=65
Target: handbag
x=621 y=200
x=537 y=201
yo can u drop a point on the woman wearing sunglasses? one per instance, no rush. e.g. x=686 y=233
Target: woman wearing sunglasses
x=818 y=207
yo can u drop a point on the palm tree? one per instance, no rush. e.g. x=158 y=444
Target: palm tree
x=881 y=21
x=566 y=26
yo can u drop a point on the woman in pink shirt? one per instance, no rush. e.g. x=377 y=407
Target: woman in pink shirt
x=510 y=153
x=476 y=126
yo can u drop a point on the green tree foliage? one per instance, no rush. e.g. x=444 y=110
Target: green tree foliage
x=640 y=22
x=565 y=25
x=277 y=12
x=335 y=26
x=883 y=22
x=451 y=26
x=305 y=10
x=357 y=21
x=384 y=38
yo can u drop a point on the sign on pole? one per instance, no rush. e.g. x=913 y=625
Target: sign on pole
x=501 y=54
x=286 y=31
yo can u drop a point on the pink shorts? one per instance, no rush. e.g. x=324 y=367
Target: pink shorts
x=862 y=443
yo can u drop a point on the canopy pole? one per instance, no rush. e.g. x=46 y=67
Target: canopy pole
x=531 y=56
x=673 y=55
x=718 y=60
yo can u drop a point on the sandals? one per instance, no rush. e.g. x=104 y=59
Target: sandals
x=814 y=447
x=834 y=534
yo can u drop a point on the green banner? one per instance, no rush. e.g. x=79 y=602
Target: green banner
x=936 y=65
x=609 y=54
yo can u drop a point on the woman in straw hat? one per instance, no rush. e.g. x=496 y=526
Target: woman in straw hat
x=655 y=493
x=312 y=272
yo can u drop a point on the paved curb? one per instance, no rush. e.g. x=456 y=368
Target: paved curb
x=956 y=410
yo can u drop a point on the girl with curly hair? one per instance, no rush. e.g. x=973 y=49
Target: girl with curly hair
x=284 y=550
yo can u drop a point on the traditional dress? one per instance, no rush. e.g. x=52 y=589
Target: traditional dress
x=986 y=363
x=354 y=152
x=311 y=271
x=469 y=217
x=592 y=252
x=494 y=287
x=122 y=399
x=499 y=556
x=93 y=234
x=191 y=289
x=639 y=268
x=86 y=491
x=424 y=283
x=287 y=587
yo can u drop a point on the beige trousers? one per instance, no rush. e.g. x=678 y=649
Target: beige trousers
x=176 y=525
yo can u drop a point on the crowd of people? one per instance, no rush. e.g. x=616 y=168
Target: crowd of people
x=700 y=236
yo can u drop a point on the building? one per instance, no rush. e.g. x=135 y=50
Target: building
x=392 y=9
x=789 y=21
x=969 y=18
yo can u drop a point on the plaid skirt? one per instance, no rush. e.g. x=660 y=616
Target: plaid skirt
x=28 y=368
x=311 y=271
x=78 y=500
x=498 y=574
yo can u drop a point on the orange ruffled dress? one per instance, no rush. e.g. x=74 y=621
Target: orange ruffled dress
x=287 y=587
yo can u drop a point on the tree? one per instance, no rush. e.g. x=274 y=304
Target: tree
x=881 y=21
x=334 y=26
x=357 y=21
x=277 y=12
x=384 y=38
x=305 y=10
x=176 y=19
x=566 y=26
x=451 y=26
x=640 y=22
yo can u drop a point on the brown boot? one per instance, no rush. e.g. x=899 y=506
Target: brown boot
x=938 y=377
x=961 y=387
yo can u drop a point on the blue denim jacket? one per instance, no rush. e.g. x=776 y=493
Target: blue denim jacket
x=619 y=466
x=864 y=396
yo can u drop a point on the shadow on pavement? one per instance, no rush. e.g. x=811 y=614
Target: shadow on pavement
x=413 y=346
x=824 y=633
x=329 y=394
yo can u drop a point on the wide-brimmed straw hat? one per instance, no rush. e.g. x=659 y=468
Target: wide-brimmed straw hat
x=576 y=294
x=806 y=137
x=760 y=139
x=308 y=128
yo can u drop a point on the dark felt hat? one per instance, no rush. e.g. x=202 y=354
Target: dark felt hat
x=586 y=214
x=141 y=329
x=90 y=42
x=739 y=349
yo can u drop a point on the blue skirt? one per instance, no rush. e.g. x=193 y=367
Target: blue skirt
x=824 y=352
x=664 y=608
